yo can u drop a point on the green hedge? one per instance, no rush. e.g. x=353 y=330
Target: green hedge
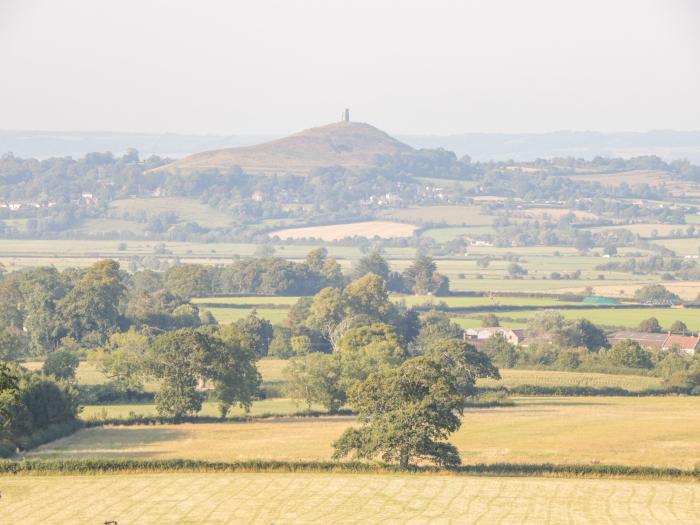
x=45 y=435
x=103 y=466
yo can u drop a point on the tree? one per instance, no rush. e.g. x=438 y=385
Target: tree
x=177 y=358
x=301 y=345
x=629 y=354
x=650 y=325
x=231 y=367
x=422 y=277
x=315 y=378
x=256 y=332
x=679 y=327
x=9 y=386
x=500 y=351
x=12 y=345
x=61 y=364
x=121 y=360
x=490 y=320
x=584 y=333
x=434 y=325
x=406 y=413
x=368 y=297
x=371 y=263
x=90 y=310
x=656 y=294
x=515 y=270
x=463 y=362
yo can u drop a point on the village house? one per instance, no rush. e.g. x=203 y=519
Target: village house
x=478 y=336
x=659 y=342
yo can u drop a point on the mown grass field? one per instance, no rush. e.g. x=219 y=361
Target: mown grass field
x=188 y=210
x=652 y=431
x=267 y=498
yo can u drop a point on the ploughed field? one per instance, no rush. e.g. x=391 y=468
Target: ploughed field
x=265 y=498
x=649 y=431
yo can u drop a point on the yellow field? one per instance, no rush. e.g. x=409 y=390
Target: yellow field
x=658 y=431
x=511 y=377
x=279 y=499
x=334 y=232
x=687 y=290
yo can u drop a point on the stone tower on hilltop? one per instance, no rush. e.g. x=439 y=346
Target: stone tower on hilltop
x=345 y=117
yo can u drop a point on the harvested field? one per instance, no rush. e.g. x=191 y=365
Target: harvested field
x=265 y=498
x=334 y=232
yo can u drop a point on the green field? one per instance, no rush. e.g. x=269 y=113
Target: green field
x=188 y=210
x=228 y=315
x=652 y=431
x=267 y=498
x=627 y=318
x=453 y=215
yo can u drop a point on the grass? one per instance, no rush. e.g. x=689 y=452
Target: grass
x=332 y=232
x=464 y=302
x=627 y=318
x=453 y=232
x=265 y=498
x=649 y=431
x=248 y=299
x=450 y=215
x=188 y=210
x=228 y=315
x=511 y=377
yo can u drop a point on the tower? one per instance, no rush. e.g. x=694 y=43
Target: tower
x=345 y=117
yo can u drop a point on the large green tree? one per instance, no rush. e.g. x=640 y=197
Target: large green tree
x=406 y=413
x=177 y=359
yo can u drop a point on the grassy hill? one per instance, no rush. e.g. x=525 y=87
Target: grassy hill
x=347 y=144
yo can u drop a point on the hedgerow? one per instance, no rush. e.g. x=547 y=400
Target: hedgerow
x=107 y=466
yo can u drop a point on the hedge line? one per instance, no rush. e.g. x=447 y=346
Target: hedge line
x=138 y=419
x=105 y=466
x=584 y=391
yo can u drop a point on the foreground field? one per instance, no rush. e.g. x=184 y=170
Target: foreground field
x=343 y=498
x=657 y=431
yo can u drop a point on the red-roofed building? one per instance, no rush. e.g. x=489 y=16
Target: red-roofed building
x=664 y=342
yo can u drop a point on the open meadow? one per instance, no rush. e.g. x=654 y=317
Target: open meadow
x=651 y=431
x=265 y=498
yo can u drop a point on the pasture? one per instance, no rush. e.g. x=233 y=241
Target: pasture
x=265 y=498
x=450 y=215
x=610 y=317
x=187 y=210
x=652 y=431
x=512 y=377
x=334 y=232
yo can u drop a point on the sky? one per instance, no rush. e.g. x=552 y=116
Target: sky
x=409 y=67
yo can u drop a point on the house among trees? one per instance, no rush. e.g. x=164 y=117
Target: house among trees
x=653 y=341
x=477 y=336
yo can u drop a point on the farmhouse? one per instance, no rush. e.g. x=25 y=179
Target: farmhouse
x=663 y=342
x=477 y=336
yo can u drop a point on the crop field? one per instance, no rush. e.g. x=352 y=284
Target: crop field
x=653 y=431
x=644 y=230
x=265 y=498
x=457 y=302
x=556 y=214
x=450 y=215
x=511 y=377
x=687 y=290
x=453 y=232
x=681 y=246
x=628 y=318
x=333 y=232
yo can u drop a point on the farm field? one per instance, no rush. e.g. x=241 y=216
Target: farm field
x=628 y=318
x=264 y=498
x=681 y=246
x=652 y=431
x=453 y=232
x=334 y=232
x=449 y=215
x=228 y=315
x=511 y=377
x=187 y=210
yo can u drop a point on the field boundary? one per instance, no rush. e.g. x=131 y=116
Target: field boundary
x=109 y=466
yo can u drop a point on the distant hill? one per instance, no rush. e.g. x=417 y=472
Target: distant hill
x=347 y=144
x=668 y=145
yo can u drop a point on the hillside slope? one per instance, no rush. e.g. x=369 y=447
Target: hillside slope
x=347 y=144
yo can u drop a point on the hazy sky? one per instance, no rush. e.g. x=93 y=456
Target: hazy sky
x=408 y=66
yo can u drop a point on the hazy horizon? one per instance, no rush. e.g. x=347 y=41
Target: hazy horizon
x=271 y=67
